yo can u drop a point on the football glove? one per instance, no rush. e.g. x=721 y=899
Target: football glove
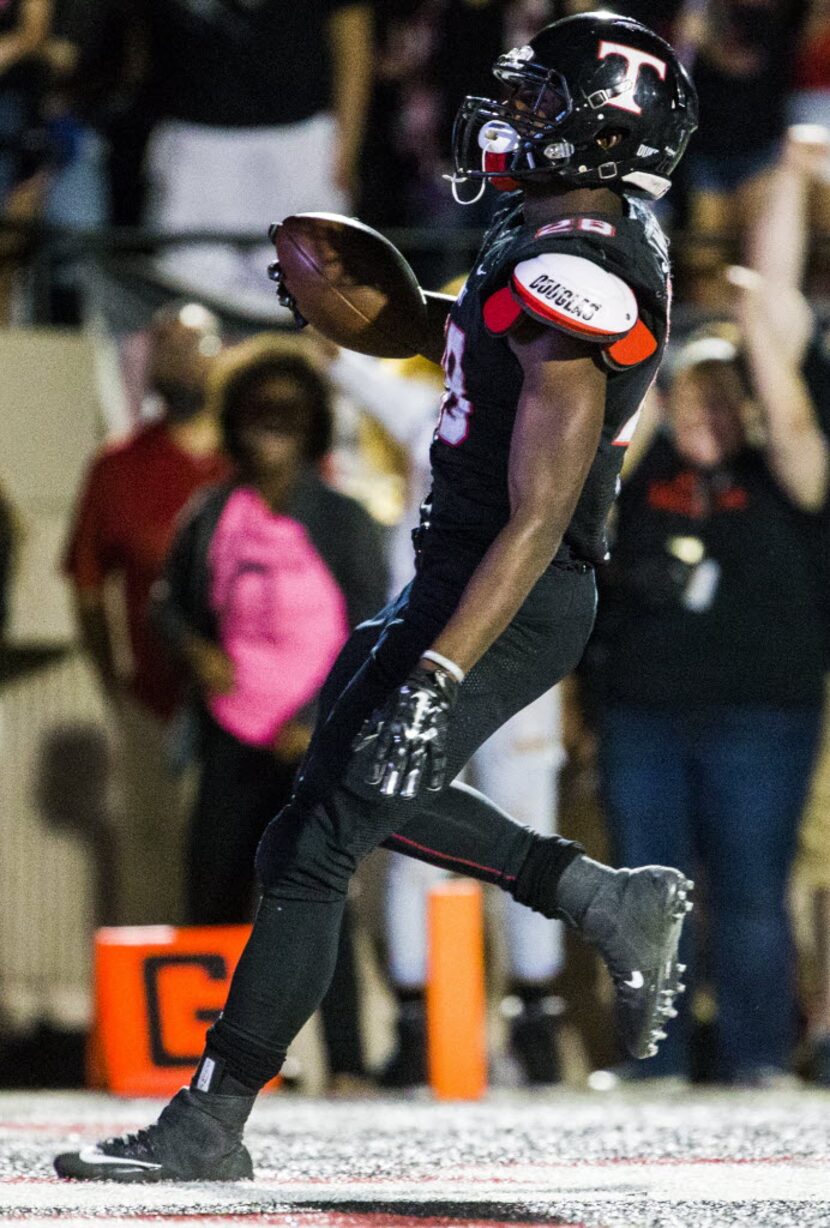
x=409 y=735
x=284 y=295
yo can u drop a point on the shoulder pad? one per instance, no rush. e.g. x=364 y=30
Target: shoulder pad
x=576 y=295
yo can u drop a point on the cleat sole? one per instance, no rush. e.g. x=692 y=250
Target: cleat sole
x=668 y=984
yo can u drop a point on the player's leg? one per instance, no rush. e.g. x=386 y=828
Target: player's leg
x=198 y=1135
x=305 y=861
x=634 y=918
x=517 y=767
x=311 y=849
x=309 y=853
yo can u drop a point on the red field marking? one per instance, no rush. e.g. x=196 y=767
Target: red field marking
x=72 y=1127
x=313 y=1219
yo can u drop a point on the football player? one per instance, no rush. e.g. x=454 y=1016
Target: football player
x=549 y=351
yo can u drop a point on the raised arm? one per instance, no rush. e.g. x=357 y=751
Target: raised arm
x=797 y=449
x=351 y=41
x=779 y=240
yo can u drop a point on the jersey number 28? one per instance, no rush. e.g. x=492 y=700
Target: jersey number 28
x=454 y=423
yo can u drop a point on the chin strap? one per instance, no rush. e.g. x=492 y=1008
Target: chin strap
x=454 y=180
x=497 y=140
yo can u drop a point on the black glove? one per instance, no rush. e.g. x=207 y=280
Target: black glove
x=410 y=734
x=284 y=295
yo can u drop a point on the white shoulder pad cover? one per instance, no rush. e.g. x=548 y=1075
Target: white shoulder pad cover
x=575 y=295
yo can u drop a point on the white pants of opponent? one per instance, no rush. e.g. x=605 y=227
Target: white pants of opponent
x=518 y=769
x=236 y=180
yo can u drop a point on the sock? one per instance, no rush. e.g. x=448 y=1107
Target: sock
x=212 y=1078
x=410 y=994
x=529 y=992
x=537 y=883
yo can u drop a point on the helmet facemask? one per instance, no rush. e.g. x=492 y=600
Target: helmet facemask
x=502 y=141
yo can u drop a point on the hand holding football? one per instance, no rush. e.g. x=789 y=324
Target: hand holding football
x=352 y=284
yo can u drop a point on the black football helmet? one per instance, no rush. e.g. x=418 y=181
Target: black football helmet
x=593 y=100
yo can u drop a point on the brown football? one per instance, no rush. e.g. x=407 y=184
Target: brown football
x=352 y=284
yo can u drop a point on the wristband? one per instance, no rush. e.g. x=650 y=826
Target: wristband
x=455 y=671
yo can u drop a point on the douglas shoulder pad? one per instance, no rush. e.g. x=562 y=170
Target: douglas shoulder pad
x=575 y=295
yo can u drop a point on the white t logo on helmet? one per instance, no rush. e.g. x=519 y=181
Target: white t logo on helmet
x=635 y=60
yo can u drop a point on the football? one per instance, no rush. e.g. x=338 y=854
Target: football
x=352 y=284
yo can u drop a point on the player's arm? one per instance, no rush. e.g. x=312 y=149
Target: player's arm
x=555 y=438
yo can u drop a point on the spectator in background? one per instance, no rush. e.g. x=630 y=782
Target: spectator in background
x=789 y=334
x=122 y=530
x=265 y=577
x=743 y=70
x=810 y=101
x=24 y=29
x=658 y=15
x=809 y=113
x=260 y=110
x=517 y=767
x=710 y=647
x=104 y=55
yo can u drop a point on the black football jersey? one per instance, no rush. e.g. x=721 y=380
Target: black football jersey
x=483 y=378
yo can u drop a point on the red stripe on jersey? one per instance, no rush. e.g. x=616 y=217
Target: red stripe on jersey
x=638 y=345
x=550 y=313
x=501 y=311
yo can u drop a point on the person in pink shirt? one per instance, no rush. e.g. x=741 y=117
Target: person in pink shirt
x=280 y=615
x=265 y=577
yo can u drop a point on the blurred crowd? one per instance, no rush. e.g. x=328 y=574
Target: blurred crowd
x=262 y=502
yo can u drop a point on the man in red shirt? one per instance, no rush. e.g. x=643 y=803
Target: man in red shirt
x=124 y=524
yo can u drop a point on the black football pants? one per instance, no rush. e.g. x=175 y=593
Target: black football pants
x=311 y=849
x=241 y=787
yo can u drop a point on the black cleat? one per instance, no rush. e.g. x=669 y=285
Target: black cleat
x=532 y=1037
x=635 y=923
x=198 y=1137
x=407 y=1064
